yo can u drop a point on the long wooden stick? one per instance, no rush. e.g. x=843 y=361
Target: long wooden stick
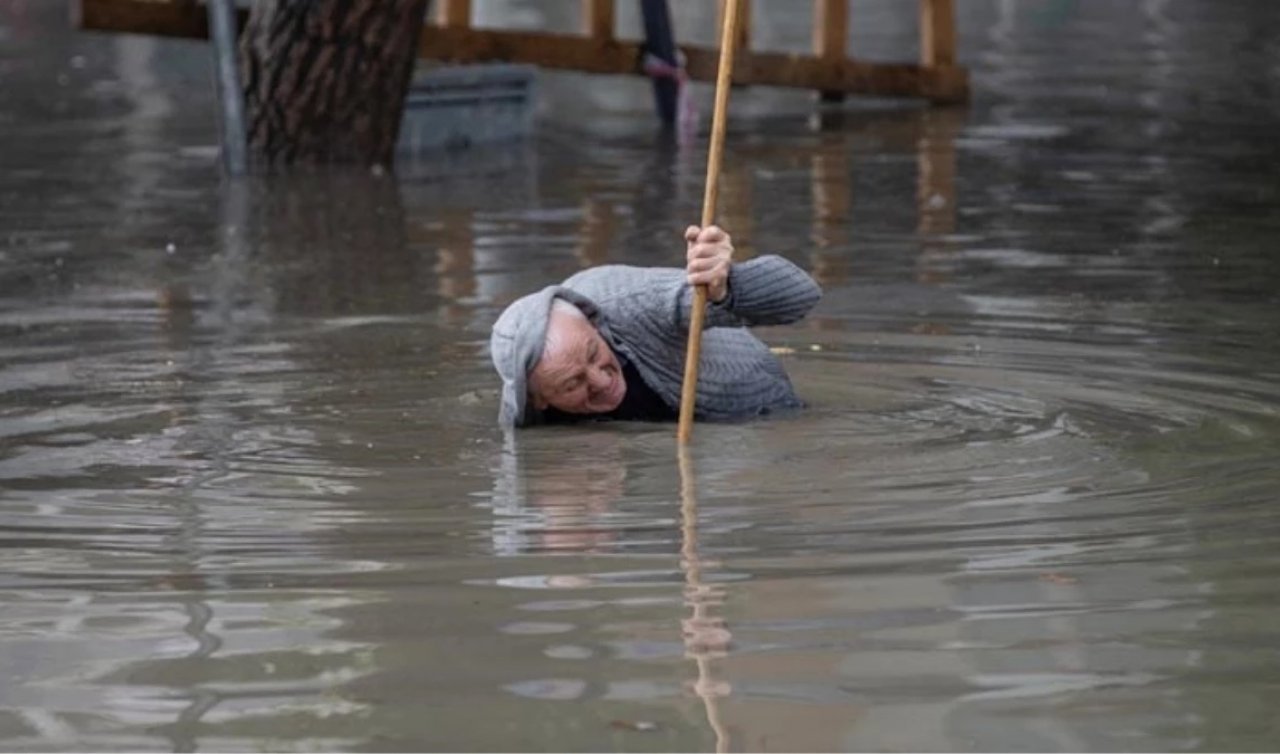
x=728 y=36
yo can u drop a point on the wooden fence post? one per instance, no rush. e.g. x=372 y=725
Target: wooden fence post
x=937 y=34
x=598 y=19
x=455 y=14
x=830 y=36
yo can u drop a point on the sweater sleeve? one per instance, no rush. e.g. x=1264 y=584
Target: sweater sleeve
x=767 y=290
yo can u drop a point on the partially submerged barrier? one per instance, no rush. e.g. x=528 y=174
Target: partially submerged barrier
x=451 y=37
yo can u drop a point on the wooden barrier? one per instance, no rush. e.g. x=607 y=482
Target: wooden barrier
x=451 y=37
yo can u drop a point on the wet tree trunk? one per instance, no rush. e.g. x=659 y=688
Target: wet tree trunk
x=325 y=80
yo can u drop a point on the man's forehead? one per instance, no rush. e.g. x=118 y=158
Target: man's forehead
x=568 y=339
x=568 y=328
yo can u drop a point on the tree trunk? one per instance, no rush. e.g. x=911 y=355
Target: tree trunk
x=325 y=80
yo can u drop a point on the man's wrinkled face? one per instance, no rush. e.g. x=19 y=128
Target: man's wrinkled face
x=578 y=373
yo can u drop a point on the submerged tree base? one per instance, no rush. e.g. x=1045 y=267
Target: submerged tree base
x=325 y=81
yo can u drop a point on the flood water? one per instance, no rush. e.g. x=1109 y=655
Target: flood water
x=252 y=494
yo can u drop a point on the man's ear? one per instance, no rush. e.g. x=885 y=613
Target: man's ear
x=538 y=403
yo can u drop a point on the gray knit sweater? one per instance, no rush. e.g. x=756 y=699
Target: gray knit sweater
x=644 y=315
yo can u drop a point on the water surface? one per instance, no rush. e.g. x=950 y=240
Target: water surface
x=252 y=496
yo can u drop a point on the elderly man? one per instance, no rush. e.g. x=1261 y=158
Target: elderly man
x=609 y=342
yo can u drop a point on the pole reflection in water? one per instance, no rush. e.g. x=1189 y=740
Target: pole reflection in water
x=227 y=285
x=706 y=637
x=545 y=505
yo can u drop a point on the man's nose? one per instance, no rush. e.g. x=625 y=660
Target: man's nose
x=598 y=377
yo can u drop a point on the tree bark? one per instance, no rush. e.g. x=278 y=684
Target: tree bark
x=325 y=80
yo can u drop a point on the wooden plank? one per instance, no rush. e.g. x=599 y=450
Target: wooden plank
x=830 y=28
x=937 y=33
x=564 y=51
x=454 y=14
x=938 y=83
x=164 y=19
x=598 y=18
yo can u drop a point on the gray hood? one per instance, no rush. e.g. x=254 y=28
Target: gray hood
x=516 y=345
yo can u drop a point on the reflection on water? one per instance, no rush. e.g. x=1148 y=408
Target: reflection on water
x=252 y=495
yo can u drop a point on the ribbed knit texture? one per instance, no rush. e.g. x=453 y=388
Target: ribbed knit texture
x=644 y=314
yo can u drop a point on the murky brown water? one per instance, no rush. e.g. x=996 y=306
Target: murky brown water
x=252 y=496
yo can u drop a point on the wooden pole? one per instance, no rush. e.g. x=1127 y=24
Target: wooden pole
x=743 y=32
x=698 y=313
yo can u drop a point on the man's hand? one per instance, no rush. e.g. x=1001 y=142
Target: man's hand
x=710 y=254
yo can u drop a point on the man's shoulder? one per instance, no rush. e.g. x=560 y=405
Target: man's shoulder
x=621 y=273
x=614 y=282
